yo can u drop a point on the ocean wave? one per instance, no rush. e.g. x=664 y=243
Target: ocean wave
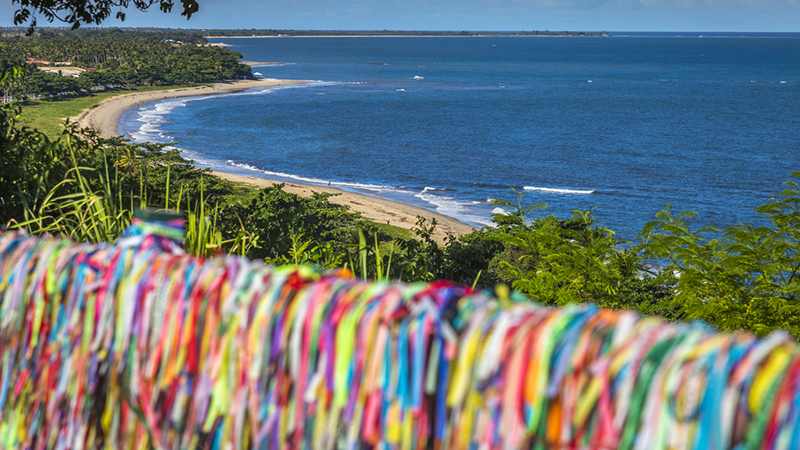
x=558 y=191
x=155 y=112
x=319 y=181
x=151 y=115
x=444 y=204
x=449 y=206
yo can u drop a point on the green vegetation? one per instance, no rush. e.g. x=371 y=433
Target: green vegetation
x=76 y=12
x=103 y=60
x=745 y=277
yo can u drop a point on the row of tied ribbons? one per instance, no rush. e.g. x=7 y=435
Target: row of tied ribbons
x=139 y=345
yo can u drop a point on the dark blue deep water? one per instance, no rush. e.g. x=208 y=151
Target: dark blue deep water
x=623 y=125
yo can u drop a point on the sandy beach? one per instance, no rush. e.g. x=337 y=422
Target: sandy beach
x=105 y=119
x=377 y=209
x=259 y=63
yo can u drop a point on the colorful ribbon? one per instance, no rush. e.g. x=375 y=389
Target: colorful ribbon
x=139 y=345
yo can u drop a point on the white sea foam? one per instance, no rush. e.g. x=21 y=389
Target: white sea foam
x=450 y=206
x=499 y=210
x=320 y=181
x=152 y=116
x=443 y=204
x=558 y=191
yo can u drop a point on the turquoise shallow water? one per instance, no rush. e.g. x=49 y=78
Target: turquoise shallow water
x=623 y=125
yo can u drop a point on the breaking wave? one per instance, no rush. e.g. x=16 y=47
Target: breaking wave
x=558 y=191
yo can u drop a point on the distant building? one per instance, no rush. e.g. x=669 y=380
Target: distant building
x=73 y=72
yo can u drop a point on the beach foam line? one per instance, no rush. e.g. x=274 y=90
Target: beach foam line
x=448 y=205
x=154 y=112
x=150 y=116
x=319 y=181
x=443 y=204
x=558 y=191
x=259 y=90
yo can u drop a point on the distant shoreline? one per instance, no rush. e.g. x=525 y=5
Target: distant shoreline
x=401 y=36
x=105 y=118
x=273 y=33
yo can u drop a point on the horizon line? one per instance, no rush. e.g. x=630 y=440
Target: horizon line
x=331 y=30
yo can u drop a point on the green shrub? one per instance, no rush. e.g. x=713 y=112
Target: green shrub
x=747 y=277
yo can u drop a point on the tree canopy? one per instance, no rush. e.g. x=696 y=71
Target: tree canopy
x=77 y=12
x=109 y=59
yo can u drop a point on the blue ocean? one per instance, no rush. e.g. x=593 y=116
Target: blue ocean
x=622 y=125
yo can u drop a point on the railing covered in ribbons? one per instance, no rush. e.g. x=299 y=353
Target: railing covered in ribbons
x=139 y=345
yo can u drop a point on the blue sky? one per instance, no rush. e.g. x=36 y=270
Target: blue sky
x=475 y=15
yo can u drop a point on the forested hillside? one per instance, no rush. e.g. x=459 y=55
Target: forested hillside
x=111 y=58
x=286 y=32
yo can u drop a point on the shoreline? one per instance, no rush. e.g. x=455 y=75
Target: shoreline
x=105 y=116
x=258 y=63
x=391 y=35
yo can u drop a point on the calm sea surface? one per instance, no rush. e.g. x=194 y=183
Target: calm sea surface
x=623 y=125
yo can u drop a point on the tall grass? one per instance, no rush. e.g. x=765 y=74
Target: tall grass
x=89 y=205
x=381 y=272
x=85 y=206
